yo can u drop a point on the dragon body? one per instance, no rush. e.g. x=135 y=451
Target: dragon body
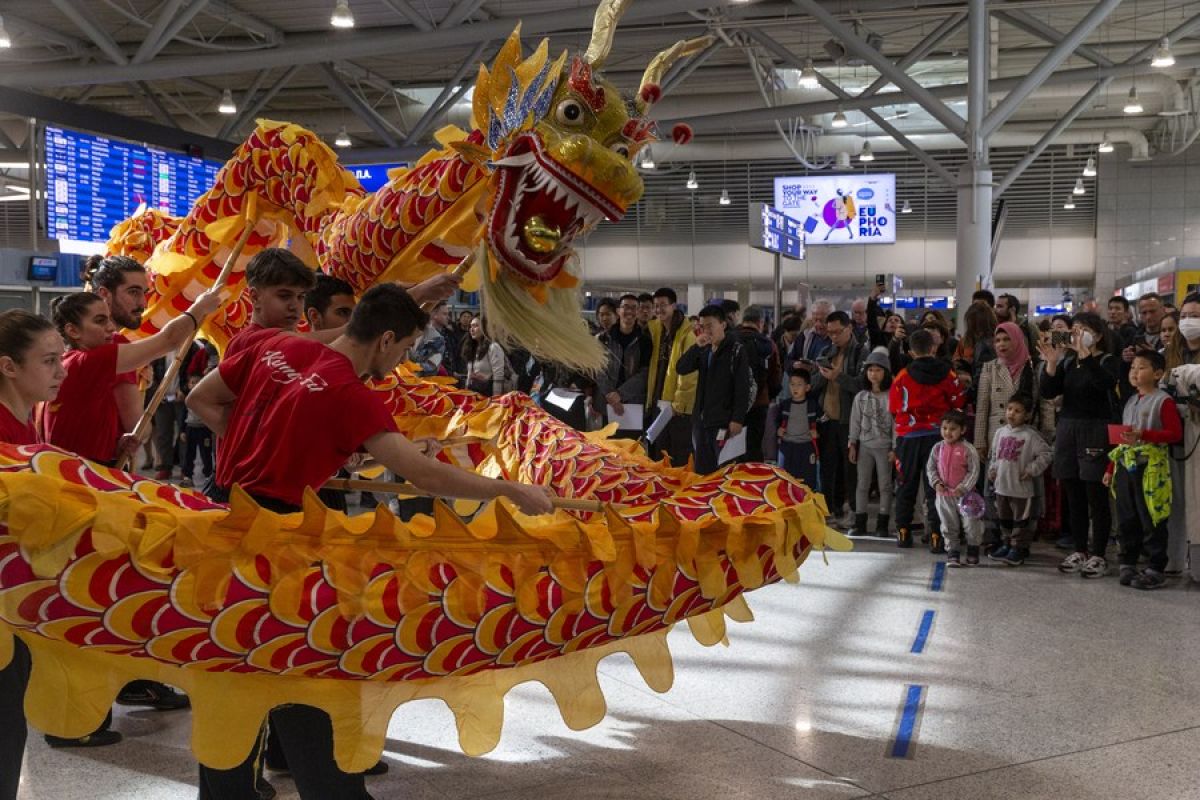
x=108 y=577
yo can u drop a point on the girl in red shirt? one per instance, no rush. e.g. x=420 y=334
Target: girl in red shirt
x=31 y=371
x=83 y=418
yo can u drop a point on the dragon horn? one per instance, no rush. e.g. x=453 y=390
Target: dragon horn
x=608 y=14
x=651 y=89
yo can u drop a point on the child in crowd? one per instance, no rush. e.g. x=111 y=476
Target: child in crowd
x=952 y=470
x=797 y=433
x=1018 y=457
x=197 y=439
x=1140 y=472
x=921 y=394
x=872 y=442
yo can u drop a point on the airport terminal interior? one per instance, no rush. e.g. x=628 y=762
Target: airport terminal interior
x=831 y=200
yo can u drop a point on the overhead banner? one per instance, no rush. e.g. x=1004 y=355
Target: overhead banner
x=841 y=209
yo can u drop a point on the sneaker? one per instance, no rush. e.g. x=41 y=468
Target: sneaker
x=98 y=739
x=999 y=553
x=904 y=537
x=1073 y=563
x=1129 y=574
x=1014 y=557
x=953 y=559
x=937 y=545
x=1150 y=579
x=185 y=483
x=1096 y=567
x=155 y=695
x=972 y=555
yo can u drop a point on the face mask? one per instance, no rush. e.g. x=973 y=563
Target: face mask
x=1087 y=340
x=1190 y=328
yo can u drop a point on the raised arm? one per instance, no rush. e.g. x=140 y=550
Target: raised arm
x=401 y=456
x=136 y=355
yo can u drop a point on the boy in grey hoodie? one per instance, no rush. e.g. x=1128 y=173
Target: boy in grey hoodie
x=1018 y=457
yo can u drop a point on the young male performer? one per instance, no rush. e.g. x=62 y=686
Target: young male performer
x=280 y=383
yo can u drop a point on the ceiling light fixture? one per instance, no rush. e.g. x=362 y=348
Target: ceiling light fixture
x=906 y=208
x=343 y=138
x=342 y=16
x=843 y=160
x=724 y=198
x=226 y=106
x=692 y=183
x=5 y=41
x=1133 y=105
x=1106 y=146
x=866 y=154
x=1163 y=57
x=1089 y=169
x=839 y=119
x=808 y=76
x=1079 y=187
x=1070 y=204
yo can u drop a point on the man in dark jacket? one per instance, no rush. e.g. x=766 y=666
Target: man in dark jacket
x=768 y=379
x=918 y=398
x=723 y=388
x=837 y=376
x=623 y=379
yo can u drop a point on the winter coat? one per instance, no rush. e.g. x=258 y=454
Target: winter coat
x=723 y=387
x=922 y=393
x=635 y=359
x=848 y=381
x=996 y=388
x=678 y=390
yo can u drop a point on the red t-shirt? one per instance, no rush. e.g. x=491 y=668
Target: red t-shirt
x=301 y=411
x=132 y=375
x=242 y=339
x=83 y=418
x=13 y=430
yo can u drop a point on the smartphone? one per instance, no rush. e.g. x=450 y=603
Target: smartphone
x=1060 y=338
x=824 y=363
x=881 y=279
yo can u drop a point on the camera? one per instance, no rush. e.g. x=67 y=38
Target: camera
x=1183 y=384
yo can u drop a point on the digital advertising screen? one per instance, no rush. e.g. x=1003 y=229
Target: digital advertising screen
x=373 y=177
x=93 y=183
x=841 y=209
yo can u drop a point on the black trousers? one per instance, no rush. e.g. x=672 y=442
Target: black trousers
x=913 y=452
x=704 y=440
x=305 y=733
x=838 y=481
x=13 y=680
x=799 y=459
x=197 y=440
x=1087 y=502
x=756 y=426
x=1133 y=519
x=675 y=441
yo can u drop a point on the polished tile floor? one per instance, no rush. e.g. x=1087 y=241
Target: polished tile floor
x=1035 y=685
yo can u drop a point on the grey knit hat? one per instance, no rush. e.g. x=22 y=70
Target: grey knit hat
x=878 y=358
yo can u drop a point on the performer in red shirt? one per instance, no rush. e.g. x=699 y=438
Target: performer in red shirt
x=291 y=412
x=31 y=371
x=84 y=417
x=120 y=282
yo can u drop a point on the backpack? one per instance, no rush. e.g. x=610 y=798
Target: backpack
x=758 y=353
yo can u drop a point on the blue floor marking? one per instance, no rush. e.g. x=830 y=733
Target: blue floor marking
x=923 y=631
x=939 y=577
x=907 y=729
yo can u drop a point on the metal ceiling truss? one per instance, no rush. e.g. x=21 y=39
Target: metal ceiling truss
x=376 y=121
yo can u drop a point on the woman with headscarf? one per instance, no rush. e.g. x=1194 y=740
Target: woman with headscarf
x=1010 y=373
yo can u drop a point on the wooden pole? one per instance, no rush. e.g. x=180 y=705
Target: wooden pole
x=459 y=271
x=408 y=490
x=143 y=425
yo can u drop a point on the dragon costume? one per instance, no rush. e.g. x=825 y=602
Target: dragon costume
x=108 y=577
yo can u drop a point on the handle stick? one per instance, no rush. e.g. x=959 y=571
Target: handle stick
x=407 y=489
x=459 y=271
x=142 y=428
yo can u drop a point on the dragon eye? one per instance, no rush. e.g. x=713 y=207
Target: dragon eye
x=569 y=112
x=621 y=149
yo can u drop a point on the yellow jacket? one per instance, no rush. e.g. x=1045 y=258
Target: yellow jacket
x=680 y=392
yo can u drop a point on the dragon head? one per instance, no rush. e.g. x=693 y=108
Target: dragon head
x=561 y=142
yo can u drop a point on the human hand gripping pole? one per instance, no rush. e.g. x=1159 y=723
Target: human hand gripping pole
x=142 y=429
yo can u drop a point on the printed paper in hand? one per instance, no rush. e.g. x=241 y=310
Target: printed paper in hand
x=665 y=412
x=631 y=420
x=734 y=447
x=561 y=398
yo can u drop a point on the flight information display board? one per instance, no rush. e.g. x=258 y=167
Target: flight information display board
x=775 y=232
x=93 y=183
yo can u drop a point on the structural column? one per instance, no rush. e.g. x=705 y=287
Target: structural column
x=974 y=251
